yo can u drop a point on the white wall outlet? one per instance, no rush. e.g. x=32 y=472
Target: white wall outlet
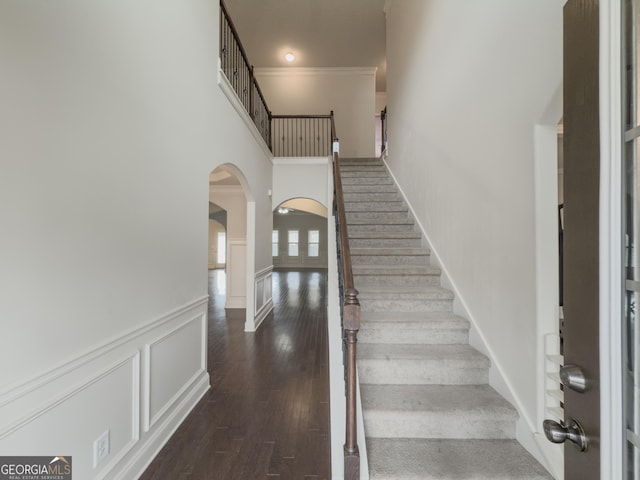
x=101 y=447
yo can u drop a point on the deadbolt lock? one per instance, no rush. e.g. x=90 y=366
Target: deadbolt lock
x=573 y=377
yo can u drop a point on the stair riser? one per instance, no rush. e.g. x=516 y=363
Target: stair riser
x=372 y=197
x=377 y=217
x=418 y=372
x=399 y=334
x=361 y=173
x=385 y=242
x=367 y=181
x=444 y=424
x=390 y=259
x=376 y=207
x=375 y=305
x=396 y=280
x=347 y=169
x=364 y=188
x=373 y=227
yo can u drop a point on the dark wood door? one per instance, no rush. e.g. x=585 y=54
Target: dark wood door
x=581 y=230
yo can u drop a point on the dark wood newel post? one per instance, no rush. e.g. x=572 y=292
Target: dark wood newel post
x=351 y=327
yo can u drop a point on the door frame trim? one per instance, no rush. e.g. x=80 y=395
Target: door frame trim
x=611 y=393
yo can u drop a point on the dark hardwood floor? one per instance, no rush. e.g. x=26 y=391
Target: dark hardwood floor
x=266 y=415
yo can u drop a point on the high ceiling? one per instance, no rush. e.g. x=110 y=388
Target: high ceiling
x=320 y=33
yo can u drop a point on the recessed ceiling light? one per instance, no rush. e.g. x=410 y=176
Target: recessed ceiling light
x=289 y=57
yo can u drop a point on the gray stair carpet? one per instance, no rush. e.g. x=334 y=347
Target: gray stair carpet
x=429 y=412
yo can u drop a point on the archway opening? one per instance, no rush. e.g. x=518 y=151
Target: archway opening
x=228 y=242
x=299 y=238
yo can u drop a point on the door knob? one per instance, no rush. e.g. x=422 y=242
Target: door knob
x=558 y=433
x=573 y=377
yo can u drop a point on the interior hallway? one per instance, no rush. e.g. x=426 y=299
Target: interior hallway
x=266 y=415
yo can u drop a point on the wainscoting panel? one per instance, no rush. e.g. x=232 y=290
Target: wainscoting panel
x=151 y=376
x=107 y=401
x=263 y=294
x=173 y=363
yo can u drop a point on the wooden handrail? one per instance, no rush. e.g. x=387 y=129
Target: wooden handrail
x=350 y=319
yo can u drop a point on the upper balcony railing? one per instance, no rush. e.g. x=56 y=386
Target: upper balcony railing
x=285 y=135
x=236 y=67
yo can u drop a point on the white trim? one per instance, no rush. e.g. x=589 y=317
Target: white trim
x=13 y=392
x=264 y=276
x=611 y=396
x=150 y=421
x=301 y=160
x=250 y=319
x=230 y=93
x=313 y=71
x=79 y=387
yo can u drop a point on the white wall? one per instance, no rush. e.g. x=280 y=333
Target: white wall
x=349 y=92
x=111 y=122
x=467 y=83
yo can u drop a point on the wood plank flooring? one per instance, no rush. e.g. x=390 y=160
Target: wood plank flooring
x=266 y=415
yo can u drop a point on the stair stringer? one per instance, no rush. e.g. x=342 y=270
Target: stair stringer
x=526 y=432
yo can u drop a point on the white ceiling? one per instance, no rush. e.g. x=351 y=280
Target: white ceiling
x=320 y=33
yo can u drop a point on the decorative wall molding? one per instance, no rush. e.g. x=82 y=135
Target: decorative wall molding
x=263 y=291
x=11 y=393
x=151 y=418
x=315 y=71
x=58 y=399
x=135 y=466
x=107 y=388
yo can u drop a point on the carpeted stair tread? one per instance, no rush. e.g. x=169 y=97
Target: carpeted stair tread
x=384 y=235
x=388 y=270
x=436 y=411
x=429 y=328
x=425 y=353
x=451 y=459
x=389 y=251
x=434 y=319
x=446 y=398
x=427 y=293
x=421 y=364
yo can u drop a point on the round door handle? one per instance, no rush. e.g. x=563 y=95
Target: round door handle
x=558 y=433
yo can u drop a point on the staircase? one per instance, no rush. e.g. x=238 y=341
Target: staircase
x=429 y=412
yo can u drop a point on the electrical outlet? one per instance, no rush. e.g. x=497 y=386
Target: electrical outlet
x=101 y=448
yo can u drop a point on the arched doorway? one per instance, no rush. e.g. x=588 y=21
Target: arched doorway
x=229 y=191
x=299 y=238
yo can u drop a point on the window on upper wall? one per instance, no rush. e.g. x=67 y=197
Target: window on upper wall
x=293 y=243
x=275 y=235
x=221 y=254
x=313 y=243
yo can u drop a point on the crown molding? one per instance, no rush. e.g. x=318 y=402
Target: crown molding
x=314 y=71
